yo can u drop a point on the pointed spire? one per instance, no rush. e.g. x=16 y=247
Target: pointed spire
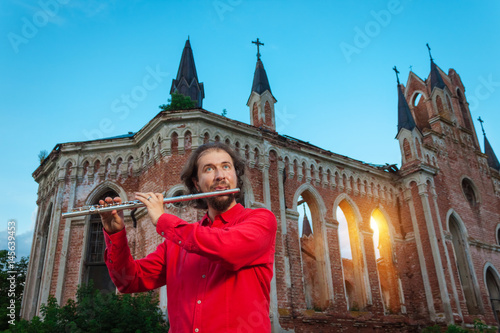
x=405 y=118
x=436 y=79
x=306 y=226
x=488 y=150
x=260 y=81
x=261 y=100
x=186 y=82
x=492 y=158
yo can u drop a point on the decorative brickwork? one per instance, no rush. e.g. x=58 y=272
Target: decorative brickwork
x=436 y=257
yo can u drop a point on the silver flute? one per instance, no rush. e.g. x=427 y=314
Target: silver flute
x=96 y=209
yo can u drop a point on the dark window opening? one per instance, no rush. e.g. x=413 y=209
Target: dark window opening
x=469 y=192
x=96 y=269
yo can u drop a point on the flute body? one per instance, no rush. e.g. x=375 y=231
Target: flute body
x=96 y=209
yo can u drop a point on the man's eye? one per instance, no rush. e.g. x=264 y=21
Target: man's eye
x=226 y=166
x=208 y=169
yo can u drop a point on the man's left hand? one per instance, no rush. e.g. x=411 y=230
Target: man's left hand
x=154 y=204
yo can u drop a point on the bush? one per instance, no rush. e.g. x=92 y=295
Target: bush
x=456 y=329
x=178 y=102
x=479 y=327
x=94 y=311
x=432 y=329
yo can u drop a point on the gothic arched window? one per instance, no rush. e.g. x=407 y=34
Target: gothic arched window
x=469 y=192
x=498 y=235
x=95 y=266
x=464 y=266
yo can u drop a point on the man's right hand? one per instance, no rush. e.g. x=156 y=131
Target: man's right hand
x=112 y=221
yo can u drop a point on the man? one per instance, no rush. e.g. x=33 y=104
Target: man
x=218 y=271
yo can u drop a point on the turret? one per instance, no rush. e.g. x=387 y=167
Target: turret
x=408 y=135
x=261 y=100
x=186 y=82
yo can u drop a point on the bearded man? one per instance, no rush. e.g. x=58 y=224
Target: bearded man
x=218 y=270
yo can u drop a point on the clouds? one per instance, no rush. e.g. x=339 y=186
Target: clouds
x=23 y=243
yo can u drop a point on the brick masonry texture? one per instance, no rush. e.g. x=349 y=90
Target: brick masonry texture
x=427 y=273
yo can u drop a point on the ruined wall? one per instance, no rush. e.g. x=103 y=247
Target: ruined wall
x=402 y=294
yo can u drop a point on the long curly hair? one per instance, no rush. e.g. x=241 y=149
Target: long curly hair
x=190 y=172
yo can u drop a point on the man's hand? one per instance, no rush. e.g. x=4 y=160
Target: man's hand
x=154 y=204
x=112 y=221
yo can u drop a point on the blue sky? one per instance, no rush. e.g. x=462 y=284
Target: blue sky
x=66 y=68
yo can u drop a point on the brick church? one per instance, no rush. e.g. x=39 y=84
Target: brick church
x=422 y=240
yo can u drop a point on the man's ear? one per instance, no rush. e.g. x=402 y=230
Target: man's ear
x=195 y=182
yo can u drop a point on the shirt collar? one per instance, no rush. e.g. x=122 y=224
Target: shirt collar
x=226 y=217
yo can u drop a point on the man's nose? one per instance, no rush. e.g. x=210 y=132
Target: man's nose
x=219 y=174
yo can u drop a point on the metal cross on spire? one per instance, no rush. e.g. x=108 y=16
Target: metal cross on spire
x=258 y=43
x=397 y=72
x=429 y=48
x=481 y=121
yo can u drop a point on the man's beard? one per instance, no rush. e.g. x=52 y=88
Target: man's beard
x=220 y=203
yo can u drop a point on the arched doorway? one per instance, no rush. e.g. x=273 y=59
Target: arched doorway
x=388 y=275
x=352 y=256
x=312 y=251
x=493 y=285
x=465 y=271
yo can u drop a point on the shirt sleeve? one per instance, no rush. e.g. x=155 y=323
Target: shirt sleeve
x=130 y=275
x=250 y=242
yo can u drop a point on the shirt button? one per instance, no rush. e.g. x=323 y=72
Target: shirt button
x=180 y=242
x=162 y=233
x=111 y=261
x=199 y=302
x=196 y=330
x=203 y=276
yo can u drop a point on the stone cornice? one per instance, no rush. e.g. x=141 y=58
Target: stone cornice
x=421 y=167
x=441 y=118
x=200 y=116
x=482 y=245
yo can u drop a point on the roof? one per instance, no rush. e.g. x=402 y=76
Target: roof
x=187 y=69
x=436 y=79
x=187 y=82
x=306 y=227
x=405 y=118
x=492 y=158
x=260 y=81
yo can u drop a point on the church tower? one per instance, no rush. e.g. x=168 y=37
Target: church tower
x=444 y=175
x=261 y=100
x=187 y=82
x=409 y=135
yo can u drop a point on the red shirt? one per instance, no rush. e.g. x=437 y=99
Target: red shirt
x=218 y=275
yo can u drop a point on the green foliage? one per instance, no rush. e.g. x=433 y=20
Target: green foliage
x=42 y=155
x=224 y=113
x=456 y=329
x=95 y=311
x=432 y=329
x=8 y=264
x=479 y=327
x=178 y=102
